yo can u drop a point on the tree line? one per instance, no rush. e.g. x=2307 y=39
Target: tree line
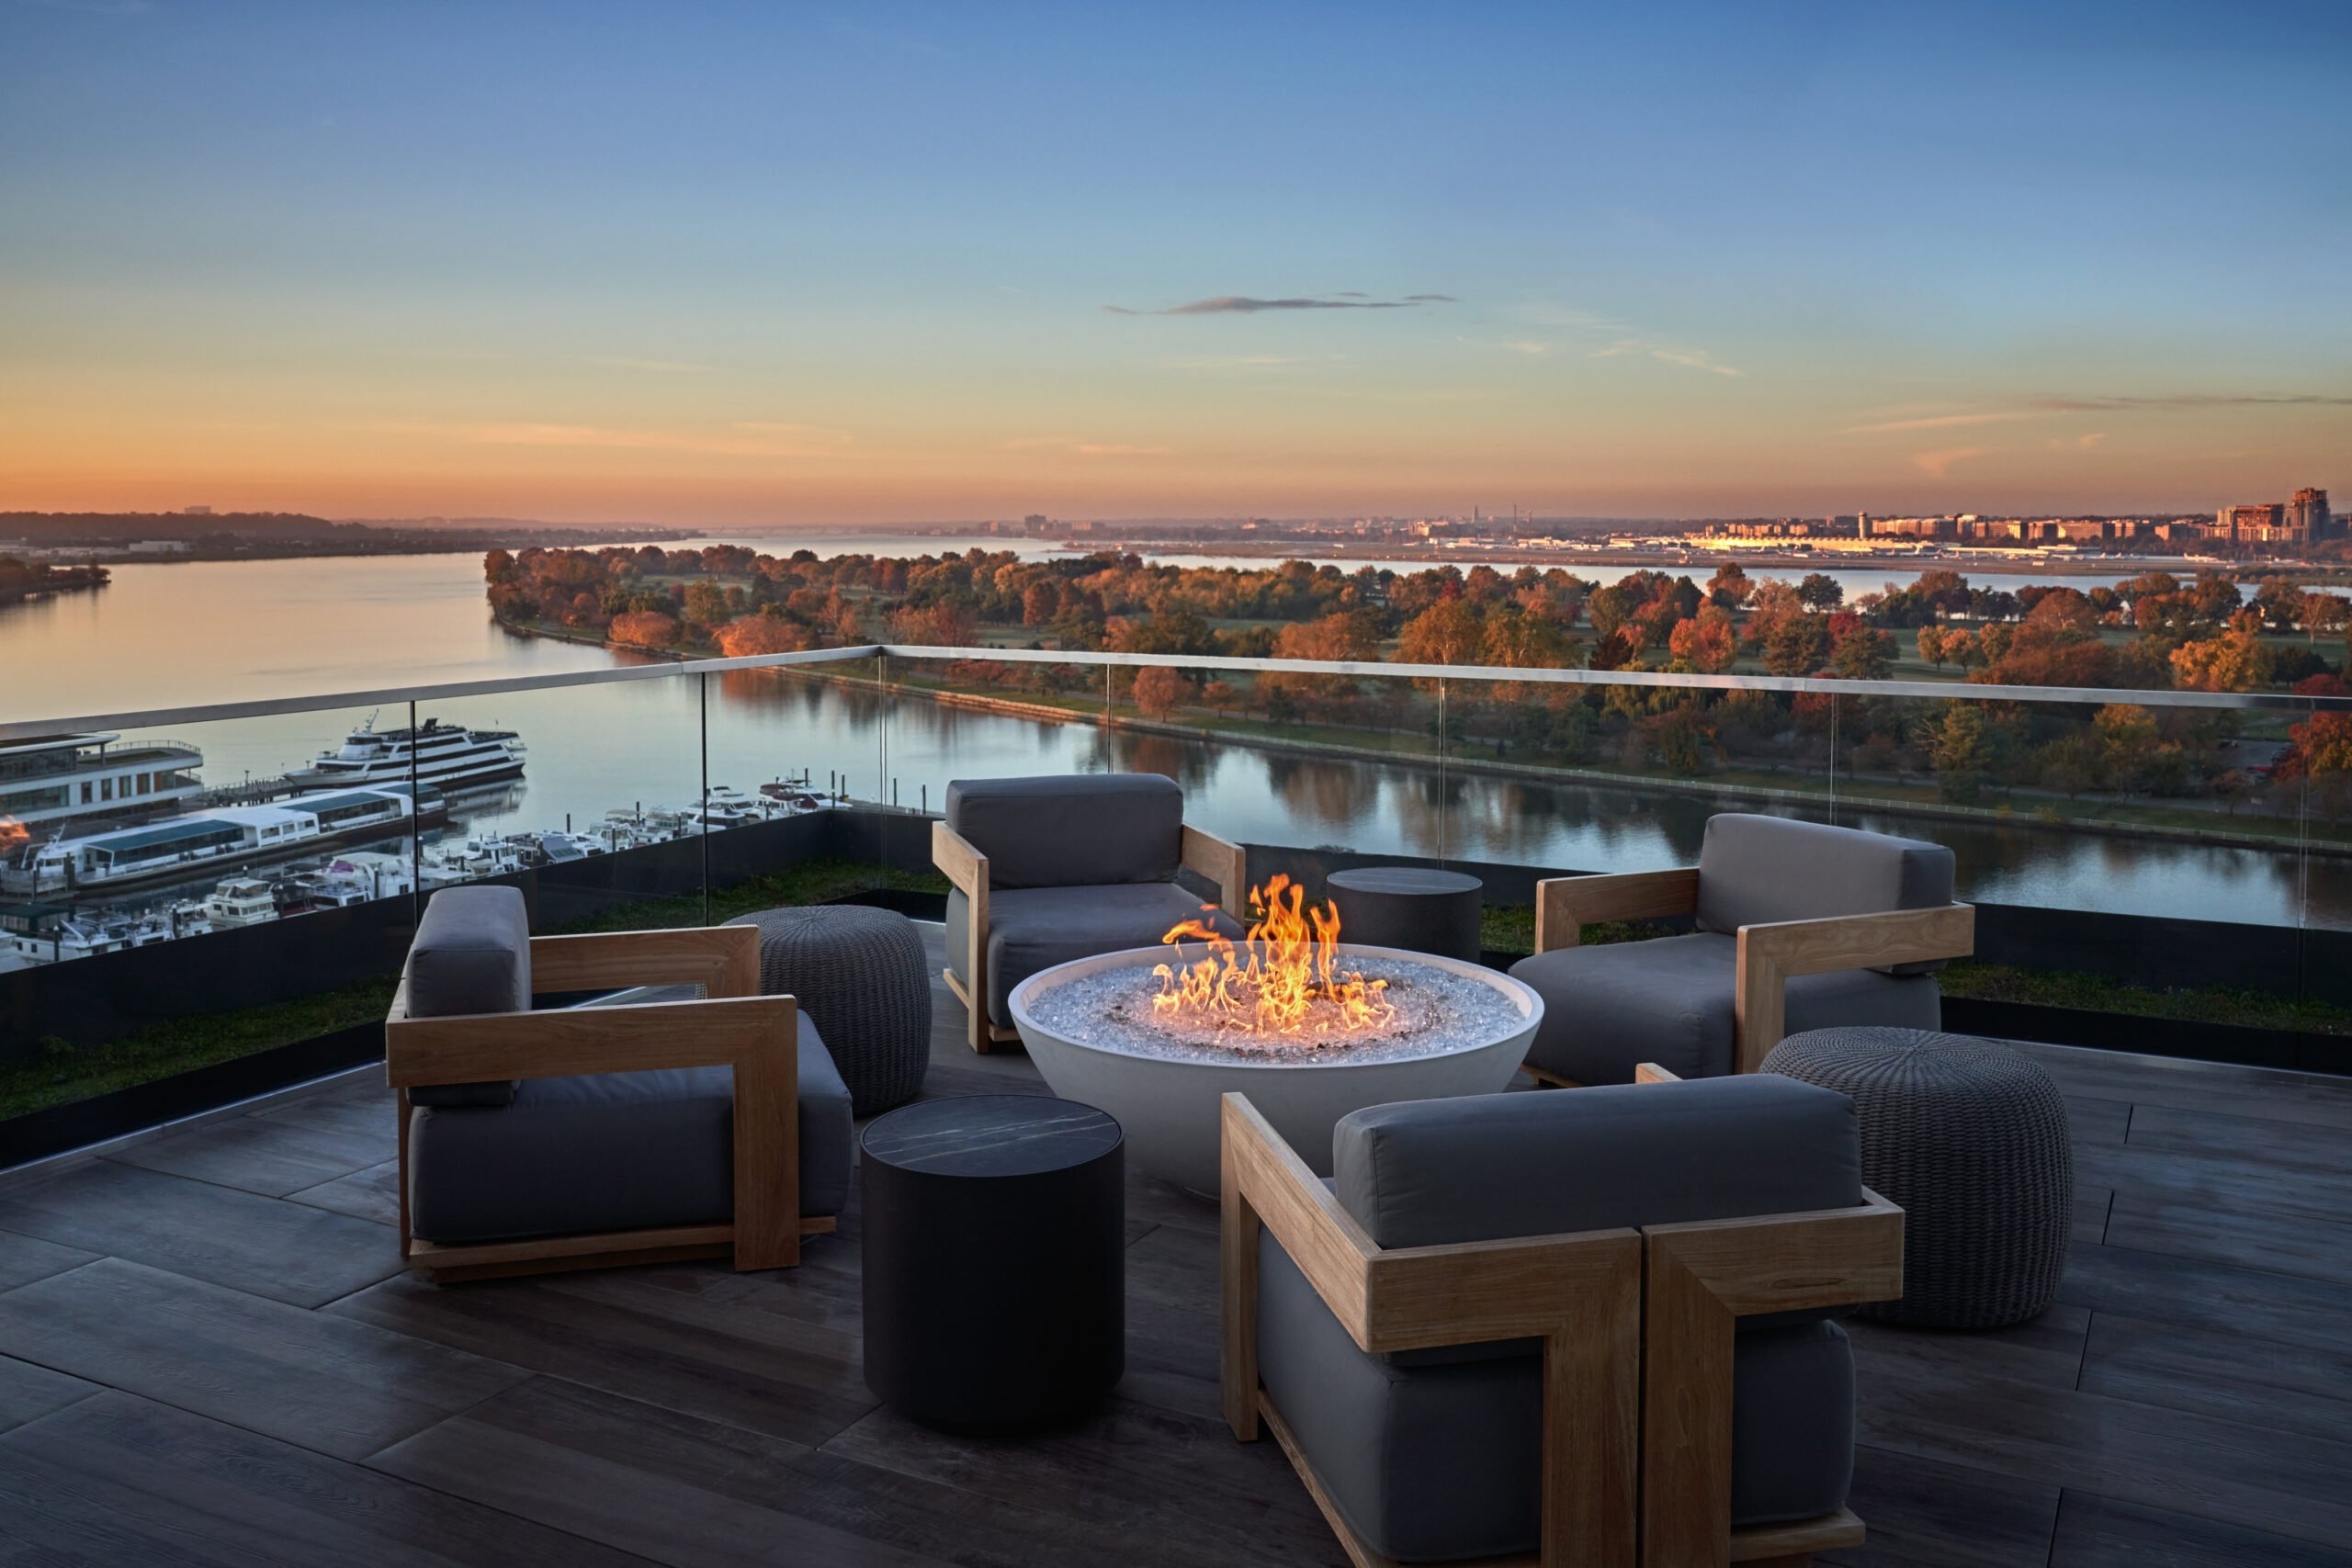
x=2157 y=630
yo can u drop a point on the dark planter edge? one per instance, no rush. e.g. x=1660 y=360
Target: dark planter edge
x=143 y=1107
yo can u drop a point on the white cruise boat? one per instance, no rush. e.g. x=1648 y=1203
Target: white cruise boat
x=447 y=757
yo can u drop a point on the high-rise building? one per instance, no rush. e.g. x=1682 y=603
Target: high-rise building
x=2307 y=515
x=2251 y=524
x=1862 y=524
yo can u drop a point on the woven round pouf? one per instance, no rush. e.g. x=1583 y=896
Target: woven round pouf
x=1970 y=1138
x=861 y=974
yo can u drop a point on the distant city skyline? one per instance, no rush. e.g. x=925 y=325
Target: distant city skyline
x=736 y=266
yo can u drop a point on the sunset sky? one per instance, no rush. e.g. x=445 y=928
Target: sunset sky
x=775 y=263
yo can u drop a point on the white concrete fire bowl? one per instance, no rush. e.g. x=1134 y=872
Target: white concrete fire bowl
x=1090 y=1026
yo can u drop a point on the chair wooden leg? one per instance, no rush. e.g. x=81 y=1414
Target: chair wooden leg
x=1237 y=1241
x=767 y=1151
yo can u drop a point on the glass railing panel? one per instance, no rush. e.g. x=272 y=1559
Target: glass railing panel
x=795 y=753
x=589 y=799
x=177 y=900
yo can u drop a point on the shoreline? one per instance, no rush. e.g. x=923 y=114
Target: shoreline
x=1591 y=778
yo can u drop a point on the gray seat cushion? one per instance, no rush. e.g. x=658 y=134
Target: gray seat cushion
x=1434 y=1462
x=473 y=954
x=1071 y=830
x=1609 y=1009
x=1035 y=928
x=1481 y=1168
x=1755 y=870
x=611 y=1152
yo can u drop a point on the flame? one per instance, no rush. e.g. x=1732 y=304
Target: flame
x=13 y=835
x=1282 y=979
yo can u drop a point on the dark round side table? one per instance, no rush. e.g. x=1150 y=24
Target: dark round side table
x=995 y=1257
x=1408 y=907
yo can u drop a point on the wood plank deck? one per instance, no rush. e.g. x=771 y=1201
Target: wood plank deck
x=208 y=1354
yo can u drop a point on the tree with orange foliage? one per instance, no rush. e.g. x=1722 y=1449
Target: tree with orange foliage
x=1707 y=642
x=645 y=628
x=1448 y=632
x=749 y=635
x=2233 y=661
x=941 y=625
x=1159 y=690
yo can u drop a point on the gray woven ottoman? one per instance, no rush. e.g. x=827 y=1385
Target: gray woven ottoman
x=1970 y=1138
x=862 y=975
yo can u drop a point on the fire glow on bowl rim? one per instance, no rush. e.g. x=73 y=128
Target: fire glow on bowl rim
x=1519 y=992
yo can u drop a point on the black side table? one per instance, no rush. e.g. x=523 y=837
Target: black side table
x=1408 y=907
x=995 y=1260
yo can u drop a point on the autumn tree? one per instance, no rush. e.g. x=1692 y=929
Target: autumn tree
x=1159 y=690
x=645 y=628
x=2233 y=661
x=1448 y=632
x=749 y=635
x=1707 y=643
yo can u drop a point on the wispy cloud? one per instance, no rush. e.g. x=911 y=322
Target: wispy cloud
x=1935 y=465
x=1666 y=354
x=1945 y=421
x=2195 y=400
x=2087 y=442
x=741 y=438
x=1249 y=305
x=2047 y=406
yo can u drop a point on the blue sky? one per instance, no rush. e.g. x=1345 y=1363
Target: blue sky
x=778 y=262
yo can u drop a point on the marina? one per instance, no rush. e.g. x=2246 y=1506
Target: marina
x=394 y=810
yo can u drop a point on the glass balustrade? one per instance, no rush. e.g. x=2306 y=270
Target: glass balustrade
x=2168 y=872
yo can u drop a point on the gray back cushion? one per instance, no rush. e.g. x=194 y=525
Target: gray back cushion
x=1757 y=870
x=473 y=954
x=1485 y=1167
x=1072 y=829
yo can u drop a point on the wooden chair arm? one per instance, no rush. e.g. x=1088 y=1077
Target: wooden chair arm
x=1825 y=1258
x=964 y=866
x=1223 y=864
x=1565 y=905
x=568 y=1041
x=1579 y=1294
x=967 y=870
x=1770 y=955
x=1702 y=1277
x=723 y=960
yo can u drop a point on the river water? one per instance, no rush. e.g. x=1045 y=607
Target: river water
x=186 y=635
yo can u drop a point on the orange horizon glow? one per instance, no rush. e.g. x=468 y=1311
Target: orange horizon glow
x=758 y=267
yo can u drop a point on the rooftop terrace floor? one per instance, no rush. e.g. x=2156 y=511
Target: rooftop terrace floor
x=208 y=1354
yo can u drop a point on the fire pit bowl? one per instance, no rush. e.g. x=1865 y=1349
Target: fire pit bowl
x=1091 y=1029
